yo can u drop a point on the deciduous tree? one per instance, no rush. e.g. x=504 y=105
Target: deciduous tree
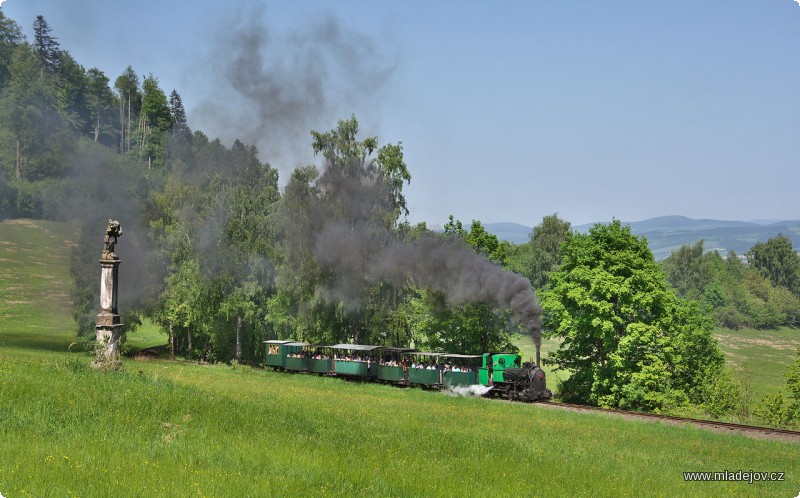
x=471 y=328
x=628 y=341
x=127 y=84
x=30 y=109
x=542 y=253
x=154 y=120
x=777 y=260
x=688 y=270
x=345 y=153
x=10 y=37
x=99 y=101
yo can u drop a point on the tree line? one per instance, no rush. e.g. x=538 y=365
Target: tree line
x=50 y=105
x=761 y=290
x=223 y=259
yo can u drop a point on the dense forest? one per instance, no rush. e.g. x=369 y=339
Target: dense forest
x=222 y=258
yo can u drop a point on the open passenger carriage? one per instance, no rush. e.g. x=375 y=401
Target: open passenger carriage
x=502 y=371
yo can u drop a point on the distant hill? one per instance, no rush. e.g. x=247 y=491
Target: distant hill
x=512 y=232
x=667 y=233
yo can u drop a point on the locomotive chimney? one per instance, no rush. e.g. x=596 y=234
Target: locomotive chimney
x=535 y=331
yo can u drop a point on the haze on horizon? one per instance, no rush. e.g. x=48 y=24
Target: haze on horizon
x=506 y=113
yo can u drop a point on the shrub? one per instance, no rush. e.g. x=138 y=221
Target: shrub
x=730 y=318
x=775 y=411
x=722 y=395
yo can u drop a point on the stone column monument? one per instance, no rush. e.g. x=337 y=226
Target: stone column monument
x=107 y=323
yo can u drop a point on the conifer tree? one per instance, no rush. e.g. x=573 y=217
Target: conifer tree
x=46 y=46
x=180 y=129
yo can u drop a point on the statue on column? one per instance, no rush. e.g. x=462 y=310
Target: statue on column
x=107 y=323
x=113 y=231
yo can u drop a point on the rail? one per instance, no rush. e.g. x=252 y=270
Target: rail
x=749 y=429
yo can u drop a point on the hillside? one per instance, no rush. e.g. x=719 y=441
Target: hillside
x=219 y=431
x=512 y=232
x=35 y=306
x=667 y=233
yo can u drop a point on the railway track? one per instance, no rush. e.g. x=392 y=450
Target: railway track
x=750 y=430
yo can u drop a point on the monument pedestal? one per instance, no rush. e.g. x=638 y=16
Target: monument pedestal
x=107 y=323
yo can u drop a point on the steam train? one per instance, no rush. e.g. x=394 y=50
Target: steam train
x=501 y=374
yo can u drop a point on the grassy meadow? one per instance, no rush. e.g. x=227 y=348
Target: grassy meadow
x=172 y=428
x=760 y=357
x=35 y=308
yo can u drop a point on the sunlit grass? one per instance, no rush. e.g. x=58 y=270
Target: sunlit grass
x=760 y=357
x=177 y=428
x=147 y=335
x=35 y=284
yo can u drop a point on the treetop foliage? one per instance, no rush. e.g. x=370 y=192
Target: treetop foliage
x=10 y=37
x=344 y=153
x=542 y=254
x=483 y=242
x=778 y=261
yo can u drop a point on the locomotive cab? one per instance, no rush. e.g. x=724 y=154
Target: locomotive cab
x=493 y=367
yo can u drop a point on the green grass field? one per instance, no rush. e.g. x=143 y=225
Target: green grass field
x=35 y=308
x=171 y=428
x=147 y=335
x=760 y=356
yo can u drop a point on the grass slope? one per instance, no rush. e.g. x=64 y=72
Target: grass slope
x=35 y=308
x=760 y=356
x=168 y=428
x=161 y=428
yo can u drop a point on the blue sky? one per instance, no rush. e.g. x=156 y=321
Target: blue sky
x=508 y=111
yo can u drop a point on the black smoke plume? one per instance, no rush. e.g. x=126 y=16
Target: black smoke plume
x=276 y=86
x=104 y=186
x=352 y=243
